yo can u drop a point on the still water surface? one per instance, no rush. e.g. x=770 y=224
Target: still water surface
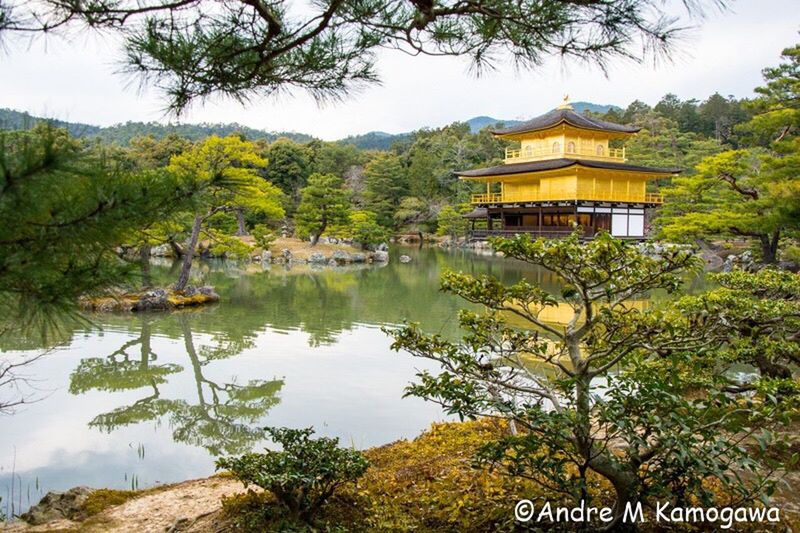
x=140 y=399
x=151 y=398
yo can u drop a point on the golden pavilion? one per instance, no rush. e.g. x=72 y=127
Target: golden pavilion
x=565 y=172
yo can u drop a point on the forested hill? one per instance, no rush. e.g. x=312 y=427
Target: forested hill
x=122 y=133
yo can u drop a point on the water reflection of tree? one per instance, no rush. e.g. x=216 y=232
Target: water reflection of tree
x=221 y=419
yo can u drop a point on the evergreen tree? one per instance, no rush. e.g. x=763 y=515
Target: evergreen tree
x=229 y=167
x=364 y=229
x=752 y=192
x=385 y=186
x=451 y=221
x=288 y=166
x=323 y=204
x=64 y=208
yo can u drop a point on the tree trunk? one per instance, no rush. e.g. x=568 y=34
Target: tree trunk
x=144 y=262
x=188 y=256
x=241 y=227
x=769 y=247
x=176 y=248
x=315 y=236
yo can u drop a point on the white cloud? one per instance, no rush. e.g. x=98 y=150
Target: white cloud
x=76 y=81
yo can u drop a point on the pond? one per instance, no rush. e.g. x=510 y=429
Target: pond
x=139 y=399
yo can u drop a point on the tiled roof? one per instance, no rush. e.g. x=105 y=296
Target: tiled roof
x=553 y=164
x=557 y=116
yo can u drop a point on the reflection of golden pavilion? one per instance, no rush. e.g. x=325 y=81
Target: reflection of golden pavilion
x=565 y=171
x=561 y=313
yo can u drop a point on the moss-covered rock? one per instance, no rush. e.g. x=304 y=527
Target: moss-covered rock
x=151 y=300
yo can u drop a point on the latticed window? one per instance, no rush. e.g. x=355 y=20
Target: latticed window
x=600 y=149
x=556 y=147
x=529 y=150
x=571 y=147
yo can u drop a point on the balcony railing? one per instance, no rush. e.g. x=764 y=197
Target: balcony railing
x=517 y=155
x=501 y=198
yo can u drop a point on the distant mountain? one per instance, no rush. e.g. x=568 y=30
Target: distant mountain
x=476 y=124
x=582 y=107
x=123 y=133
x=16 y=120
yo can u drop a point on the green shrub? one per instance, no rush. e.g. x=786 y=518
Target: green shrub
x=263 y=236
x=791 y=253
x=303 y=475
x=101 y=499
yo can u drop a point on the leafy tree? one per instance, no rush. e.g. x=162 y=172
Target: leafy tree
x=751 y=192
x=365 y=230
x=288 y=166
x=451 y=221
x=333 y=158
x=147 y=152
x=231 y=164
x=640 y=398
x=304 y=474
x=197 y=48
x=634 y=110
x=662 y=144
x=385 y=186
x=414 y=214
x=323 y=203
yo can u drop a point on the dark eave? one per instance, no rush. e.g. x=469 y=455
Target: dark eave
x=478 y=212
x=555 y=164
x=557 y=116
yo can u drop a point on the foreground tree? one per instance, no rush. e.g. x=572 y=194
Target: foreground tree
x=197 y=48
x=752 y=192
x=323 y=203
x=622 y=395
x=64 y=208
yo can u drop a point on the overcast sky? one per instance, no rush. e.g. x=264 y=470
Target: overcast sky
x=76 y=81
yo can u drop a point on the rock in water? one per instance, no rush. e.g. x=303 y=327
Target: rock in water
x=162 y=250
x=381 y=256
x=358 y=257
x=405 y=259
x=151 y=300
x=317 y=258
x=59 y=505
x=341 y=257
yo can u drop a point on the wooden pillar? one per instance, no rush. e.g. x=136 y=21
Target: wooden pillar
x=540 y=220
x=488 y=220
x=502 y=219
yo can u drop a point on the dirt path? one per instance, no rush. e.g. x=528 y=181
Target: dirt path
x=187 y=506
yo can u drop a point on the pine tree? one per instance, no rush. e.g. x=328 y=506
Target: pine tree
x=323 y=204
x=386 y=184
